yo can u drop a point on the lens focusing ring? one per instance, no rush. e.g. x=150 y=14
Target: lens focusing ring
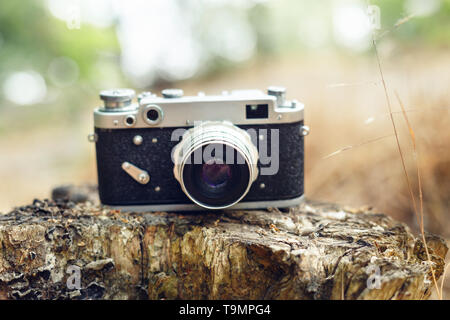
x=215 y=132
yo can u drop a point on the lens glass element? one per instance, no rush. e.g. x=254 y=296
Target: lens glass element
x=216 y=182
x=215 y=173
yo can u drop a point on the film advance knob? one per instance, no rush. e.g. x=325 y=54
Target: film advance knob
x=117 y=98
x=279 y=93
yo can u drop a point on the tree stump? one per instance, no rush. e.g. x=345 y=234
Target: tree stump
x=73 y=248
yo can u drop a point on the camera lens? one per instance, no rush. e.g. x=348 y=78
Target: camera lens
x=215 y=163
x=216 y=174
x=214 y=183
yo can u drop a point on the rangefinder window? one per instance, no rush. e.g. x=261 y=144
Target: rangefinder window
x=257 y=111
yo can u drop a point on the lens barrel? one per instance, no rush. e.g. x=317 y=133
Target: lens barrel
x=215 y=164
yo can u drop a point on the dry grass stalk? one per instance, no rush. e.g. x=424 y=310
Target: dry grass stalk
x=419 y=180
x=355 y=146
x=421 y=216
x=399 y=22
x=443 y=280
x=408 y=181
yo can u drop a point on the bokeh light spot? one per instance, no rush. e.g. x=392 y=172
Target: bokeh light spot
x=25 y=88
x=63 y=71
x=351 y=27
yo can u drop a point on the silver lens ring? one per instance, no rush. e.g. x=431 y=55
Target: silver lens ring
x=215 y=132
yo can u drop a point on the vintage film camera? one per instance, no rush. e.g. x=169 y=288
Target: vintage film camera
x=238 y=150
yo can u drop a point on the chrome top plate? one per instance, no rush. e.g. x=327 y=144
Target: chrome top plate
x=186 y=110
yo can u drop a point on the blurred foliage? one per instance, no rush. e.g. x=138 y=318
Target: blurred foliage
x=31 y=37
x=428 y=31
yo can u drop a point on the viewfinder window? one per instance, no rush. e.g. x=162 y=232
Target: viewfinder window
x=257 y=111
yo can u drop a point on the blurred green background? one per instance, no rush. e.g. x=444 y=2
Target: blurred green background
x=56 y=55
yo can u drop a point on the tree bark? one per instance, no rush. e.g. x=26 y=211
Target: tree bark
x=314 y=251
